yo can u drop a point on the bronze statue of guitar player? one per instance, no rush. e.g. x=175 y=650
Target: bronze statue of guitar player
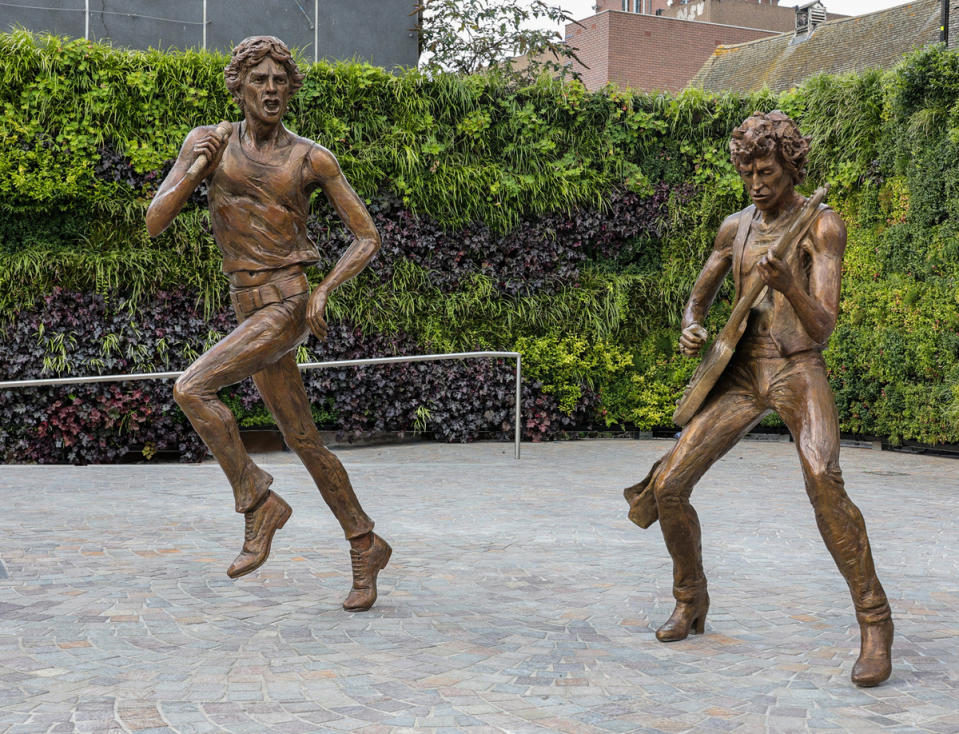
x=785 y=253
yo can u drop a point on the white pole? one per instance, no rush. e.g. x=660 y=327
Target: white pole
x=86 y=20
x=204 y=25
x=316 y=31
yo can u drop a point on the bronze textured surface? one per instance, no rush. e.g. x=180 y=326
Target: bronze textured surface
x=260 y=178
x=787 y=283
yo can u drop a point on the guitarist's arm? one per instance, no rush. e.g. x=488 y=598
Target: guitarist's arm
x=707 y=286
x=817 y=310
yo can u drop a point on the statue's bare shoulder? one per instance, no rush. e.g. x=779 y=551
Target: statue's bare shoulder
x=322 y=162
x=829 y=233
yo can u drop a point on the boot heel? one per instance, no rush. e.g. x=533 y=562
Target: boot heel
x=686 y=617
x=699 y=625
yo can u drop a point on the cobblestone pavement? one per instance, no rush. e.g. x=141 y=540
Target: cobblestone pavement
x=519 y=599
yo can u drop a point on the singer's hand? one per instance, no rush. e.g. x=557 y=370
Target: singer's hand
x=198 y=158
x=210 y=146
x=316 y=313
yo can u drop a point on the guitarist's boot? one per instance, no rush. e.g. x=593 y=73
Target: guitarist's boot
x=680 y=526
x=875 y=652
x=688 y=616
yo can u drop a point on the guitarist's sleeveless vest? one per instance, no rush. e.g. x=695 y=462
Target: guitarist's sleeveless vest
x=784 y=326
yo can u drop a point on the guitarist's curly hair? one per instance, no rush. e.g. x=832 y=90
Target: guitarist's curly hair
x=250 y=52
x=763 y=134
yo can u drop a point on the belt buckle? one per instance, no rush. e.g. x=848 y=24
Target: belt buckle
x=244 y=300
x=239 y=299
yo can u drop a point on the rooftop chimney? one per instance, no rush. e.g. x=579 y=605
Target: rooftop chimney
x=808 y=16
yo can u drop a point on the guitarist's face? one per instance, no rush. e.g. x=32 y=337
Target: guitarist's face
x=769 y=184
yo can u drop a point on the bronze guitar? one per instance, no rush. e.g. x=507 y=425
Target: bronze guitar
x=722 y=348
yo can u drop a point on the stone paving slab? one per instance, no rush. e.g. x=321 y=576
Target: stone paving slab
x=519 y=599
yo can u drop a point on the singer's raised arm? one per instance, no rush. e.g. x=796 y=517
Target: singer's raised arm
x=180 y=183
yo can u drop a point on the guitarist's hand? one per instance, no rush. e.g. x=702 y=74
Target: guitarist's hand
x=776 y=274
x=692 y=339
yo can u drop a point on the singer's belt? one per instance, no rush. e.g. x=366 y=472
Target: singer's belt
x=248 y=300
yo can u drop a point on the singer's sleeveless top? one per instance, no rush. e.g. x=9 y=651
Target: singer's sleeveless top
x=259 y=210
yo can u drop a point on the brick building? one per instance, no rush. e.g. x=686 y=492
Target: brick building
x=748 y=13
x=647 y=51
x=765 y=14
x=647 y=7
x=659 y=45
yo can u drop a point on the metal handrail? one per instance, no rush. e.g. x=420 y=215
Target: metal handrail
x=54 y=381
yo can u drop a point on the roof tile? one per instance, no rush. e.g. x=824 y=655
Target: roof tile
x=878 y=39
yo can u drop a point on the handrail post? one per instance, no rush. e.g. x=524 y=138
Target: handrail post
x=519 y=394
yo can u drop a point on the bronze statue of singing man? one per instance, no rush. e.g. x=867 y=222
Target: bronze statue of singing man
x=777 y=366
x=260 y=177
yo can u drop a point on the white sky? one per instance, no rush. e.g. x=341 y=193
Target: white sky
x=584 y=8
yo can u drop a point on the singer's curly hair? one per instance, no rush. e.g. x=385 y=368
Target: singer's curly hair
x=773 y=132
x=250 y=52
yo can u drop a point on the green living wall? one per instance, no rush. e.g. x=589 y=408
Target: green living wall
x=566 y=224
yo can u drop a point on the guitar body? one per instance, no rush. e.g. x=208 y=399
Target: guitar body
x=707 y=374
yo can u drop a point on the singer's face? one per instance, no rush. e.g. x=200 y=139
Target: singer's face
x=266 y=91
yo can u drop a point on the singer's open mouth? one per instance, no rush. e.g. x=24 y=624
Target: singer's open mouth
x=271 y=105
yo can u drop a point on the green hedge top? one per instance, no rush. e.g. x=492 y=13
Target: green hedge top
x=465 y=149
x=457 y=148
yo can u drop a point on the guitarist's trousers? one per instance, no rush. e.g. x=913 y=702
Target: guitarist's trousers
x=754 y=385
